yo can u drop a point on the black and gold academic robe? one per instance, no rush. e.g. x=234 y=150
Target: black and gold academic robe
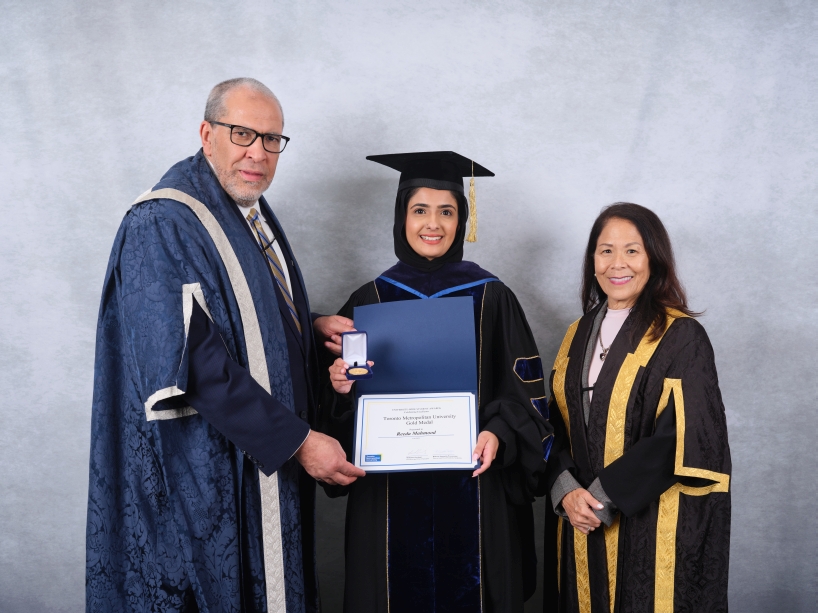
x=443 y=540
x=656 y=439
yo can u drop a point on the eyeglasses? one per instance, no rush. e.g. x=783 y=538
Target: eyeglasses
x=244 y=137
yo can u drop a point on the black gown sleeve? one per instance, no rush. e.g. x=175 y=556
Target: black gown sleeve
x=511 y=393
x=650 y=467
x=560 y=459
x=226 y=395
x=643 y=474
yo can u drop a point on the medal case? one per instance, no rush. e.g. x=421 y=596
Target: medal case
x=354 y=353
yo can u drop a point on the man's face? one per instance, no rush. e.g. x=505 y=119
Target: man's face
x=244 y=172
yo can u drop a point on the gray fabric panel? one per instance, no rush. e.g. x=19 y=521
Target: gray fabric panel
x=564 y=484
x=607 y=514
x=589 y=355
x=703 y=111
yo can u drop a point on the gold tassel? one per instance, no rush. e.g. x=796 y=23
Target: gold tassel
x=472 y=236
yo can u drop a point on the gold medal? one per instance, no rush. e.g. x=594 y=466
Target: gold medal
x=357 y=370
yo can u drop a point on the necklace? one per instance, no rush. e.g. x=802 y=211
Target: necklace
x=605 y=349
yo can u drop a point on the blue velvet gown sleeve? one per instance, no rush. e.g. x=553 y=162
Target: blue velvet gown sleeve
x=226 y=395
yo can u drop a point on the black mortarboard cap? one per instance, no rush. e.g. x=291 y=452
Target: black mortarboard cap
x=438 y=170
x=425 y=167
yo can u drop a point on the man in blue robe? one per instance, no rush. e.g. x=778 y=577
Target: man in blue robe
x=203 y=463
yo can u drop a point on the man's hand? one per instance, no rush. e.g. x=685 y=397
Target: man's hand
x=486 y=450
x=580 y=505
x=324 y=459
x=328 y=328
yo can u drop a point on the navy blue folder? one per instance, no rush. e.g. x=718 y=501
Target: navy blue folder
x=419 y=346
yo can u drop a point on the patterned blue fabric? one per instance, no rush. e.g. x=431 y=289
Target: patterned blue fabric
x=174 y=510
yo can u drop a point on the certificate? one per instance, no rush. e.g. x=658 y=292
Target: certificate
x=403 y=432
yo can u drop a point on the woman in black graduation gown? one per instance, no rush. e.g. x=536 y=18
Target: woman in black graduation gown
x=452 y=541
x=640 y=469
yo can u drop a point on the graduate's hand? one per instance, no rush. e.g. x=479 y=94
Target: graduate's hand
x=486 y=450
x=324 y=459
x=338 y=376
x=328 y=328
x=580 y=505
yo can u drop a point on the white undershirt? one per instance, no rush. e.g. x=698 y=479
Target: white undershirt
x=245 y=211
x=610 y=327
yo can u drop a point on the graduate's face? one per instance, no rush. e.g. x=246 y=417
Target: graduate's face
x=431 y=222
x=621 y=263
x=244 y=172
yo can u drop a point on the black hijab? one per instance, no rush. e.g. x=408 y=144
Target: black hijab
x=409 y=256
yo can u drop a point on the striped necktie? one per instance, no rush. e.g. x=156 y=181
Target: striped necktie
x=275 y=264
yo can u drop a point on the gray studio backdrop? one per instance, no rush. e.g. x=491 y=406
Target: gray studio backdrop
x=704 y=111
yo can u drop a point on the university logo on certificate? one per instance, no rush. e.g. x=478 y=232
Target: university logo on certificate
x=419 y=410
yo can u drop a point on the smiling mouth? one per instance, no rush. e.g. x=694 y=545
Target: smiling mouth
x=249 y=175
x=619 y=280
x=430 y=239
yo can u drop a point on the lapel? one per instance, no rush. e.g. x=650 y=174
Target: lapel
x=573 y=397
x=599 y=414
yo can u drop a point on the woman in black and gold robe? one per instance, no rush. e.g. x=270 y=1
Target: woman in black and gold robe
x=640 y=469
x=448 y=540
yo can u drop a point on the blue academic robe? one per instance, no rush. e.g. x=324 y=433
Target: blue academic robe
x=202 y=394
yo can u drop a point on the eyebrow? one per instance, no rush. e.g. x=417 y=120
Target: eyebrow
x=440 y=206
x=611 y=244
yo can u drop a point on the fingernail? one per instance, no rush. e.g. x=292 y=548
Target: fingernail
x=600 y=507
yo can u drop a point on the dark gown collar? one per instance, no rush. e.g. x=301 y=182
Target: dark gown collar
x=448 y=278
x=194 y=177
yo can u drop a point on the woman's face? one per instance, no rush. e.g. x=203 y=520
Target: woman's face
x=431 y=222
x=621 y=263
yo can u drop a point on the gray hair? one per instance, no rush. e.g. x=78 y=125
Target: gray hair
x=215 y=107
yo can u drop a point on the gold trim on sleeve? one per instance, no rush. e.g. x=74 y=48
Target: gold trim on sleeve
x=668 y=519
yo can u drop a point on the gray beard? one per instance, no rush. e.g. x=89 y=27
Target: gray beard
x=237 y=190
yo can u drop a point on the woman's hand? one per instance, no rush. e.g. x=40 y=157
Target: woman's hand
x=328 y=328
x=338 y=376
x=486 y=450
x=580 y=505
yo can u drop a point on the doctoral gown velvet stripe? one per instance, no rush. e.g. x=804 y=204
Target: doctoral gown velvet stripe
x=444 y=541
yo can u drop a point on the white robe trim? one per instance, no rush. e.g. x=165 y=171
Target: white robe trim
x=257 y=362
